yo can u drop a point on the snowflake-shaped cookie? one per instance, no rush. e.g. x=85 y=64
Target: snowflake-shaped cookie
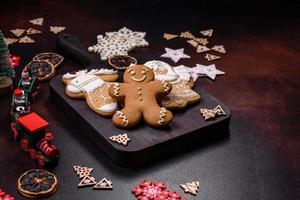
x=118 y=43
x=108 y=47
x=132 y=37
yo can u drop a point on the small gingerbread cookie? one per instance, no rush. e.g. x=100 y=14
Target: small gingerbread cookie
x=93 y=85
x=37 y=183
x=180 y=96
x=139 y=92
x=181 y=80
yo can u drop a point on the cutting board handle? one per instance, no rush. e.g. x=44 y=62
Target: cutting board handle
x=69 y=45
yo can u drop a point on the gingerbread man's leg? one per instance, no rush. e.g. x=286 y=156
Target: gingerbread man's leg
x=127 y=118
x=157 y=116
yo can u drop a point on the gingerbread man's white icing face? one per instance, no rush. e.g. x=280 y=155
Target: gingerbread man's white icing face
x=138 y=73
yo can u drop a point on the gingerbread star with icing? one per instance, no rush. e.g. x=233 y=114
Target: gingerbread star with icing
x=210 y=70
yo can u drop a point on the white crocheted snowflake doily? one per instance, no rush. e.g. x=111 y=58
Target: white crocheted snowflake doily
x=118 y=43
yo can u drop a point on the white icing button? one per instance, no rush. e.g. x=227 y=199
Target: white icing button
x=109 y=107
x=73 y=89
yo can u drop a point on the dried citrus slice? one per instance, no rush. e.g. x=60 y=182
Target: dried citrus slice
x=121 y=61
x=37 y=183
x=54 y=58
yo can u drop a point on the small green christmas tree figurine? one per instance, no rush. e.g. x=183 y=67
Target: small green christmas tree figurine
x=7 y=72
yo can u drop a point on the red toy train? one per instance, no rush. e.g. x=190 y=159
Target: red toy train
x=28 y=128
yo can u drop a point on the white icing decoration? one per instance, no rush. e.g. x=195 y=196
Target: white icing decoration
x=116 y=89
x=165 y=85
x=138 y=79
x=162 y=114
x=73 y=89
x=123 y=117
x=91 y=72
x=85 y=83
x=111 y=107
x=183 y=73
x=156 y=64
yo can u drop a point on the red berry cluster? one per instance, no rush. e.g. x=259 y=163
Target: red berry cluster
x=14 y=60
x=4 y=196
x=150 y=190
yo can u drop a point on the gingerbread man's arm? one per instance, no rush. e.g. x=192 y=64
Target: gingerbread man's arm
x=163 y=87
x=117 y=90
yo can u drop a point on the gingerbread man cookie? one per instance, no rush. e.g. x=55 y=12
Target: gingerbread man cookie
x=93 y=86
x=139 y=93
x=181 y=94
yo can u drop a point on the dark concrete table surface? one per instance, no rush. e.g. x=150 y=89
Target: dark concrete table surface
x=259 y=160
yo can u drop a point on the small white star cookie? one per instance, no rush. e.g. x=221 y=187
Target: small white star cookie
x=210 y=70
x=175 y=54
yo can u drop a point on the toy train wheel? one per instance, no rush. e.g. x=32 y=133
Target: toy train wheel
x=41 y=160
x=32 y=153
x=14 y=130
x=24 y=145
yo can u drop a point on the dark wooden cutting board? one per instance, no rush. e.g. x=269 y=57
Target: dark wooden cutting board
x=187 y=128
x=147 y=144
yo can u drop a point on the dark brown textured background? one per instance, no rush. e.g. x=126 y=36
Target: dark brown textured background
x=260 y=159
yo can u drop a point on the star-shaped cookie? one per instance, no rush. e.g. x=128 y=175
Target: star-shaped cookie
x=209 y=70
x=175 y=54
